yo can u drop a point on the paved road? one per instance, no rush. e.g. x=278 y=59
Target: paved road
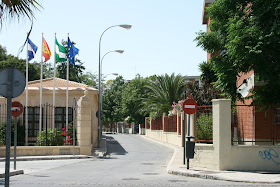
x=134 y=161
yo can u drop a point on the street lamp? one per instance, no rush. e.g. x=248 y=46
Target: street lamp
x=99 y=82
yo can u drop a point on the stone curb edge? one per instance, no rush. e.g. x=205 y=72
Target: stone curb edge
x=12 y=173
x=203 y=176
x=48 y=158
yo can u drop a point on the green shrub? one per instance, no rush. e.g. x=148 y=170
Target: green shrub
x=204 y=127
x=20 y=133
x=54 y=138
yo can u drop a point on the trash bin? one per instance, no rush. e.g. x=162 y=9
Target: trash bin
x=190 y=149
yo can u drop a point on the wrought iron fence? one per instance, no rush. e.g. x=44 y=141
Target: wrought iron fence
x=51 y=123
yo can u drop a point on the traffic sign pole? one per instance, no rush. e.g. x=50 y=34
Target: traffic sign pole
x=15 y=145
x=8 y=126
x=12 y=83
x=16 y=109
x=189 y=107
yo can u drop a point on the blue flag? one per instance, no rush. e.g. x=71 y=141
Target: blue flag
x=72 y=52
x=32 y=49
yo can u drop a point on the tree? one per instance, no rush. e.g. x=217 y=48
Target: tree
x=89 y=79
x=112 y=101
x=162 y=91
x=17 y=8
x=207 y=73
x=245 y=36
x=15 y=62
x=131 y=99
x=202 y=95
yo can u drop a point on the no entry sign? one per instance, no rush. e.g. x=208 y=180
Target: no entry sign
x=17 y=109
x=189 y=106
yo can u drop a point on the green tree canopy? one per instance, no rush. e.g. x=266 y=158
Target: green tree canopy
x=162 y=91
x=131 y=102
x=15 y=62
x=207 y=73
x=245 y=36
x=112 y=101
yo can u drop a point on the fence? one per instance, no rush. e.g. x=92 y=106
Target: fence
x=204 y=124
x=201 y=128
x=255 y=124
x=170 y=123
x=49 y=121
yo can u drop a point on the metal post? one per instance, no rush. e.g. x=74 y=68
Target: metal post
x=8 y=127
x=15 y=144
x=184 y=139
x=189 y=125
x=74 y=118
x=46 y=124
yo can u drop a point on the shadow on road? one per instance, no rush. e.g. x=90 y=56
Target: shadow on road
x=113 y=146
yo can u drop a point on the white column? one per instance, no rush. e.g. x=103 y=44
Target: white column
x=222 y=132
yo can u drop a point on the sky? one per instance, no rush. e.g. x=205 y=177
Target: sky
x=160 y=41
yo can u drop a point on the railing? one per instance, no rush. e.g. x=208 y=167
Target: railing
x=203 y=125
x=255 y=125
x=33 y=123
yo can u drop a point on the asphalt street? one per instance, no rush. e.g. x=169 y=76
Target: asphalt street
x=133 y=161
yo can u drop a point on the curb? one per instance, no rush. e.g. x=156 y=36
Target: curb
x=206 y=176
x=203 y=176
x=47 y=158
x=12 y=173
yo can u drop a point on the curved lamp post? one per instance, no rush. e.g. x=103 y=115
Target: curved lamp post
x=99 y=81
x=101 y=87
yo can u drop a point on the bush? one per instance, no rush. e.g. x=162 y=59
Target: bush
x=20 y=134
x=54 y=138
x=204 y=127
x=69 y=134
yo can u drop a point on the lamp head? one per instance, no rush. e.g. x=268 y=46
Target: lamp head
x=119 y=51
x=126 y=26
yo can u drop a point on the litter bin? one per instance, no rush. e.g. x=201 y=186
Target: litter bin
x=190 y=148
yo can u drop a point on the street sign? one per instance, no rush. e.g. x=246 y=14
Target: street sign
x=17 y=109
x=189 y=106
x=17 y=81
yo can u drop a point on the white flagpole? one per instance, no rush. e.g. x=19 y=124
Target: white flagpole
x=40 y=118
x=26 y=96
x=67 y=77
x=54 y=76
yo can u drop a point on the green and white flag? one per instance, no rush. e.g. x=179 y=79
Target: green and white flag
x=60 y=52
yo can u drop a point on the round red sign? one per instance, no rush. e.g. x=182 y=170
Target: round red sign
x=17 y=109
x=189 y=106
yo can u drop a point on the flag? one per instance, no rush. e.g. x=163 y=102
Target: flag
x=32 y=49
x=72 y=52
x=46 y=51
x=60 y=52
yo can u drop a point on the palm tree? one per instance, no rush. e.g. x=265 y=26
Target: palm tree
x=17 y=8
x=162 y=92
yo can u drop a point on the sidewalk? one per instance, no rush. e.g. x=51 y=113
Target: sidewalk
x=176 y=167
